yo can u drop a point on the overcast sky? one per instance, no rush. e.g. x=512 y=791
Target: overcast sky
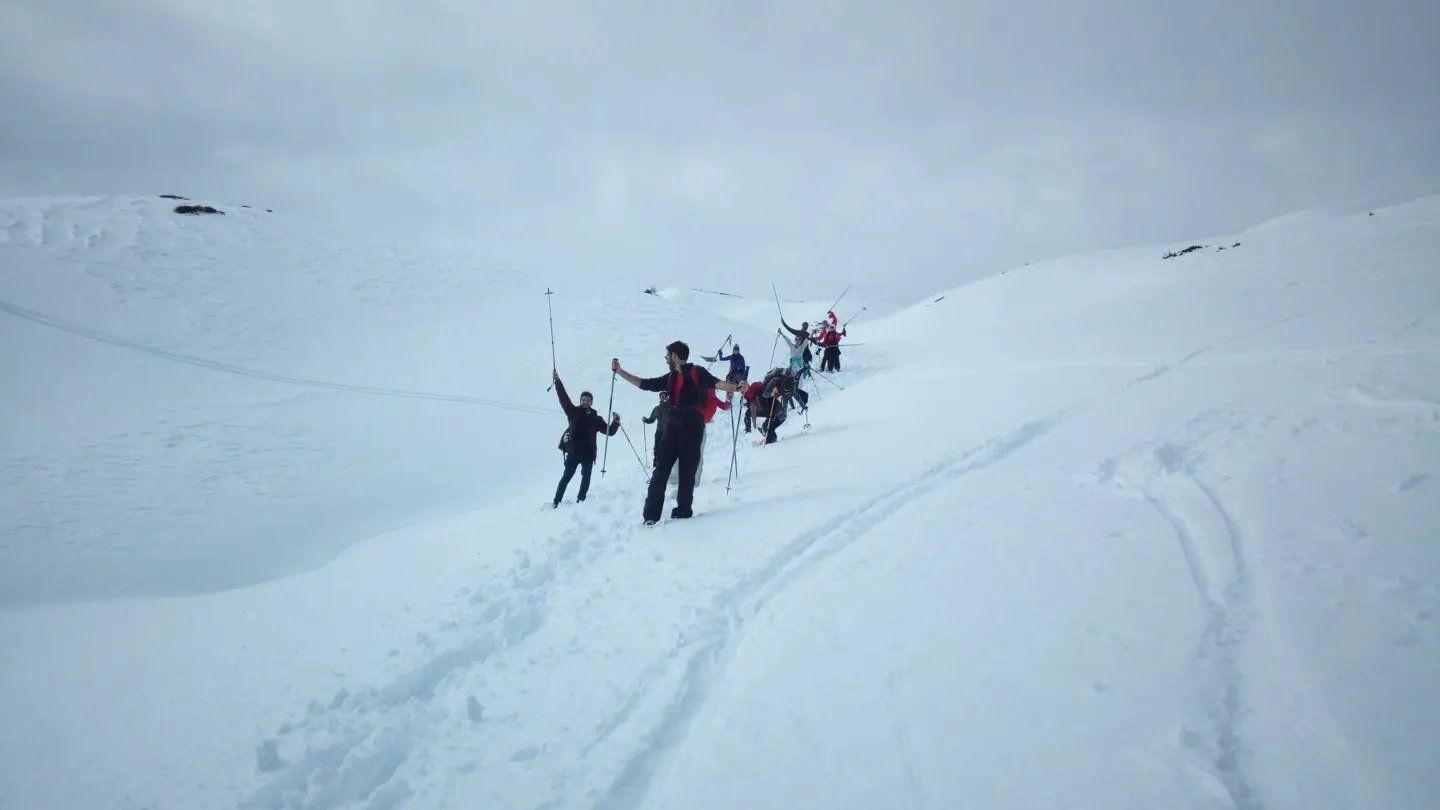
x=904 y=146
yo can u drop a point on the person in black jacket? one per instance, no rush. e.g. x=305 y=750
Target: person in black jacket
x=580 y=451
x=688 y=386
x=657 y=418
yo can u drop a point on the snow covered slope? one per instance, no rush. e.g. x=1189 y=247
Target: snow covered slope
x=1116 y=531
x=201 y=402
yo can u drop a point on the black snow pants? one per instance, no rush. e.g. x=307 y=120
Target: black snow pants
x=679 y=444
x=775 y=421
x=573 y=461
x=830 y=360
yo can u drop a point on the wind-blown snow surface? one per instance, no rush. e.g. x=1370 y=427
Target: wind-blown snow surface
x=1114 y=531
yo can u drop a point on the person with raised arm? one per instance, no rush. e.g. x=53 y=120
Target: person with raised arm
x=688 y=386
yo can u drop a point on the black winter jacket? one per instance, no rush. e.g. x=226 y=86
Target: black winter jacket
x=688 y=388
x=585 y=423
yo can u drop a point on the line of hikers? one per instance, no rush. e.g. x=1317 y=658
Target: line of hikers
x=687 y=403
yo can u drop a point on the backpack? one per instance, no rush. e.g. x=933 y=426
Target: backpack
x=777 y=383
x=565 y=442
x=694 y=380
x=711 y=403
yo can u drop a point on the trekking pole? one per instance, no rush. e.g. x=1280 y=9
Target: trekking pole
x=638 y=460
x=799 y=387
x=774 y=344
x=852 y=317
x=832 y=382
x=837 y=300
x=774 y=398
x=734 y=444
x=607 y=435
x=718 y=351
x=777 y=302
x=554 y=366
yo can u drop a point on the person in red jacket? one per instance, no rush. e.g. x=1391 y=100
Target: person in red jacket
x=830 y=335
x=713 y=402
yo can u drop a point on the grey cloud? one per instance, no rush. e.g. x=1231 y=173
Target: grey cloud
x=900 y=146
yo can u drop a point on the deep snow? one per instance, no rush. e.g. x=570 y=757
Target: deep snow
x=1111 y=531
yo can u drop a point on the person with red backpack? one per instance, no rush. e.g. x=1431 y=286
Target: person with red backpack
x=767 y=400
x=712 y=403
x=690 y=387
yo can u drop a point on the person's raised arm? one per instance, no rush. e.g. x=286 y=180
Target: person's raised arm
x=560 y=392
x=643 y=383
x=708 y=380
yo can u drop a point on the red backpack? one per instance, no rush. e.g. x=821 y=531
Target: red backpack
x=711 y=403
x=708 y=404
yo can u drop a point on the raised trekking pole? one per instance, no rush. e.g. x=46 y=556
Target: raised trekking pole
x=852 y=317
x=838 y=300
x=553 y=365
x=607 y=435
x=777 y=302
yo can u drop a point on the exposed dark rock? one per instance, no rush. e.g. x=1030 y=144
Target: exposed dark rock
x=197 y=209
x=1172 y=254
x=172 y=197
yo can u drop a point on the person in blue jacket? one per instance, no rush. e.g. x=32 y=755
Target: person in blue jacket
x=738 y=370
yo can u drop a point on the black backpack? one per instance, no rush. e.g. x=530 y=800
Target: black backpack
x=565 y=442
x=777 y=383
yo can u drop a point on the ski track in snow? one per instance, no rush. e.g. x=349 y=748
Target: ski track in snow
x=372 y=734
x=1213 y=547
x=743 y=601
x=356 y=743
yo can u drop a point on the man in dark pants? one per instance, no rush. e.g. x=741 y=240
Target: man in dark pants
x=688 y=386
x=585 y=423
